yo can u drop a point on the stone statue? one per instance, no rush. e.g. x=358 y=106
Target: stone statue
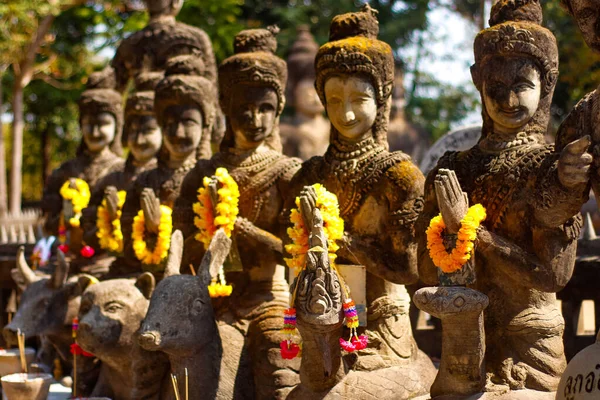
x=101 y=121
x=181 y=323
x=143 y=136
x=162 y=39
x=379 y=192
x=525 y=247
x=252 y=85
x=324 y=372
x=185 y=107
x=403 y=135
x=46 y=309
x=110 y=313
x=307 y=134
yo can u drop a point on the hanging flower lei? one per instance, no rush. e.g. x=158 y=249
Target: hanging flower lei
x=207 y=223
x=109 y=232
x=227 y=208
x=80 y=197
x=454 y=261
x=163 y=239
x=333 y=226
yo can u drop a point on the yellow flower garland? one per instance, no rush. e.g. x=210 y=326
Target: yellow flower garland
x=163 y=240
x=109 y=232
x=332 y=223
x=80 y=197
x=227 y=207
x=454 y=261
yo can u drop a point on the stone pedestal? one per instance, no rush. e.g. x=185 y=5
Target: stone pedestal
x=462 y=370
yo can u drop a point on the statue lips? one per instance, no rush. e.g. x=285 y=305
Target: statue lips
x=150 y=340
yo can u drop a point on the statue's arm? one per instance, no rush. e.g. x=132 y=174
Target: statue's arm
x=548 y=267
x=130 y=210
x=554 y=204
x=393 y=258
x=183 y=211
x=427 y=270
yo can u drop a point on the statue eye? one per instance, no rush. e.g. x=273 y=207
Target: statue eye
x=112 y=308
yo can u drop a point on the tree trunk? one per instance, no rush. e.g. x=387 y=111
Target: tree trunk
x=3 y=190
x=16 y=173
x=46 y=153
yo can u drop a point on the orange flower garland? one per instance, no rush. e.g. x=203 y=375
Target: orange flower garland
x=454 y=261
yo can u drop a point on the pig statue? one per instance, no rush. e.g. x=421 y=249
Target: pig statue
x=47 y=308
x=181 y=323
x=109 y=316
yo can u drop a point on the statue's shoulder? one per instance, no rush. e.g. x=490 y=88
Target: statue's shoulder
x=404 y=174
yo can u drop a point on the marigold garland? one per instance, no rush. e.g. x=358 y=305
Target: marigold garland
x=109 y=232
x=163 y=239
x=333 y=226
x=454 y=261
x=226 y=209
x=80 y=197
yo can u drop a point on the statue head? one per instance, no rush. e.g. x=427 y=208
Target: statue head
x=101 y=114
x=301 y=93
x=587 y=16
x=355 y=74
x=185 y=107
x=142 y=133
x=159 y=8
x=252 y=85
x=516 y=69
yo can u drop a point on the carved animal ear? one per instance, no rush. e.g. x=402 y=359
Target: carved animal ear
x=214 y=257
x=146 y=283
x=83 y=282
x=175 y=253
x=24 y=274
x=61 y=271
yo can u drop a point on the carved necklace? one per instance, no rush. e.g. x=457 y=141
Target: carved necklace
x=347 y=161
x=173 y=178
x=521 y=139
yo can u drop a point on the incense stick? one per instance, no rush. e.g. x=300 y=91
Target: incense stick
x=21 y=343
x=175 y=388
x=186 y=385
x=193 y=270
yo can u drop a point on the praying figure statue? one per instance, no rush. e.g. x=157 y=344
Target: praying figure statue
x=101 y=122
x=252 y=86
x=524 y=249
x=379 y=192
x=185 y=104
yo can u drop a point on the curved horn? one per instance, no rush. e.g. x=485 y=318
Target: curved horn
x=175 y=254
x=61 y=271
x=26 y=273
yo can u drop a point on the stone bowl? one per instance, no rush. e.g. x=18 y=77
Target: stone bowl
x=26 y=386
x=10 y=363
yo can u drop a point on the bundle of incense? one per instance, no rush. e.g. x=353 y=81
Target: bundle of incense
x=21 y=342
x=175 y=386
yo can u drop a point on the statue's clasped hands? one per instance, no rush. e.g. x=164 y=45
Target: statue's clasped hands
x=452 y=201
x=112 y=202
x=150 y=206
x=574 y=163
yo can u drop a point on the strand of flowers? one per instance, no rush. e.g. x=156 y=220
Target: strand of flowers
x=163 y=240
x=109 y=231
x=79 y=197
x=333 y=226
x=454 y=261
x=208 y=223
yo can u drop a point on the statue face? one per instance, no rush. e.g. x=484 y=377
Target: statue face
x=306 y=99
x=253 y=116
x=351 y=106
x=163 y=7
x=144 y=137
x=587 y=15
x=98 y=130
x=511 y=92
x=182 y=130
